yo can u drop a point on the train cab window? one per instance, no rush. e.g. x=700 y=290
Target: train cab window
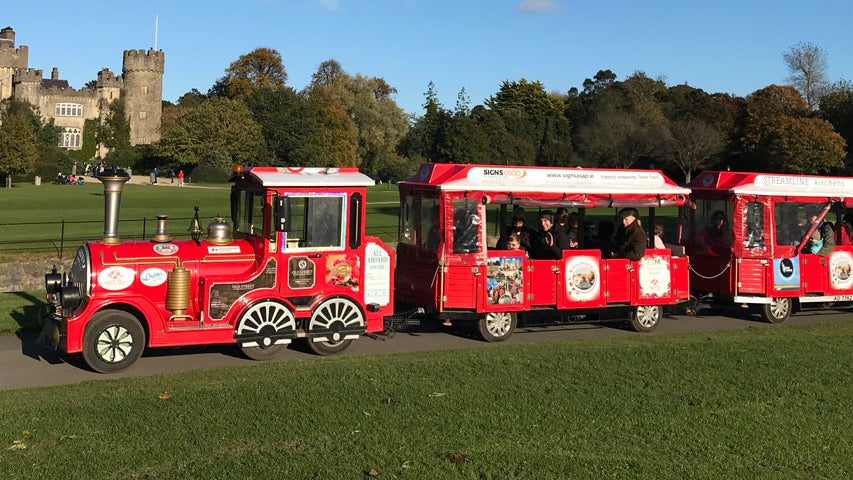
x=466 y=226
x=793 y=220
x=754 y=225
x=247 y=209
x=316 y=222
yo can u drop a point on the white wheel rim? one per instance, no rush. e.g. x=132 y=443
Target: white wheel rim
x=114 y=344
x=498 y=324
x=336 y=310
x=264 y=314
x=779 y=307
x=648 y=317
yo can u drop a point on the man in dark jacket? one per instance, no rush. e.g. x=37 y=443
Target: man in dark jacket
x=549 y=241
x=634 y=238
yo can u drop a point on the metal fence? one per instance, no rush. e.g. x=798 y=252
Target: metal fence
x=62 y=238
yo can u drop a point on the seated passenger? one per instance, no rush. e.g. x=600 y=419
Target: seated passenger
x=814 y=244
x=659 y=235
x=518 y=227
x=549 y=242
x=827 y=235
x=634 y=239
x=847 y=230
x=716 y=237
x=514 y=243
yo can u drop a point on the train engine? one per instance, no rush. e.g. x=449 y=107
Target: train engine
x=294 y=263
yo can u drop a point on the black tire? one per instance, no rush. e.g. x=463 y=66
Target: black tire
x=778 y=310
x=113 y=341
x=262 y=354
x=328 y=348
x=645 y=318
x=496 y=326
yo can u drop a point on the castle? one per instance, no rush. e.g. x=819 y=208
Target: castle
x=140 y=86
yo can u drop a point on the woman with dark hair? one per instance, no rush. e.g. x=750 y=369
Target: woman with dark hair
x=847 y=229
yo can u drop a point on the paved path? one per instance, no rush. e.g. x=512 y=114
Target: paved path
x=26 y=364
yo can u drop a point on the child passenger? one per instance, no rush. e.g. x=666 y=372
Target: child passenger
x=815 y=243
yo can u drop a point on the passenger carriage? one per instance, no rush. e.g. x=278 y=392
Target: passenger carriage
x=763 y=260
x=448 y=264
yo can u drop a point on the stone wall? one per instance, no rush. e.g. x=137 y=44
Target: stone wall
x=27 y=276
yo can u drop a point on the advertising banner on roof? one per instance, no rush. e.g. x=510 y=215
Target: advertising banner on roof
x=569 y=178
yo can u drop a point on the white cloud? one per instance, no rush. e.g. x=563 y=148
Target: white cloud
x=538 y=5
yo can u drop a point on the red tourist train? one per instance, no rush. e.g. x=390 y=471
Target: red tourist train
x=295 y=262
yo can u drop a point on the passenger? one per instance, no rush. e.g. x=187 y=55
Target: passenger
x=514 y=242
x=434 y=233
x=562 y=219
x=827 y=234
x=634 y=238
x=517 y=226
x=717 y=237
x=659 y=235
x=574 y=229
x=814 y=244
x=549 y=242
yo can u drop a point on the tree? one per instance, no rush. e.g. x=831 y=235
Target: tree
x=780 y=134
x=219 y=132
x=691 y=144
x=837 y=108
x=260 y=68
x=18 y=151
x=290 y=126
x=807 y=65
x=114 y=133
x=618 y=139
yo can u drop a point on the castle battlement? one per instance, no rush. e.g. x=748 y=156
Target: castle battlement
x=68 y=93
x=13 y=57
x=30 y=75
x=107 y=79
x=143 y=60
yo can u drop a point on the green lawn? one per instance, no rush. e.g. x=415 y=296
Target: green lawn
x=768 y=402
x=37 y=218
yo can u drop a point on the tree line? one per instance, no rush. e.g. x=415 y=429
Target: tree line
x=251 y=116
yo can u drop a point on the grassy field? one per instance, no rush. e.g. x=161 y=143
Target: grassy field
x=31 y=219
x=758 y=403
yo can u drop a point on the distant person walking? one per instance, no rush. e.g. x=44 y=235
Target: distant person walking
x=180 y=178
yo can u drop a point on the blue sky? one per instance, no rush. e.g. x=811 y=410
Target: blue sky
x=722 y=46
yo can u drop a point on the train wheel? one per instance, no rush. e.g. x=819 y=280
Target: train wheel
x=328 y=323
x=777 y=311
x=328 y=348
x=263 y=324
x=645 y=318
x=113 y=341
x=496 y=326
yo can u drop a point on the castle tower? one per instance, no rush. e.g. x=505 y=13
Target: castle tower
x=142 y=92
x=12 y=60
x=28 y=85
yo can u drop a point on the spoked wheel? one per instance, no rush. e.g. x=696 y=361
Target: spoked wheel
x=777 y=311
x=645 y=318
x=113 y=340
x=331 y=326
x=265 y=329
x=496 y=326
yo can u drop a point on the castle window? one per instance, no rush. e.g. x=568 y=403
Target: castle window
x=143 y=115
x=70 y=138
x=144 y=90
x=69 y=110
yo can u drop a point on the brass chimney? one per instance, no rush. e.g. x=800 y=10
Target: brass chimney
x=113 y=180
x=160 y=235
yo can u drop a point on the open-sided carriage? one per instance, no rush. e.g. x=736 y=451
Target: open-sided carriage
x=747 y=235
x=448 y=263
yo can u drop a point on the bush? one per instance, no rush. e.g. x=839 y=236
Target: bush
x=206 y=173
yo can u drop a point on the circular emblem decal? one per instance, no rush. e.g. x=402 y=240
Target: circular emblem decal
x=786 y=267
x=165 y=248
x=840 y=273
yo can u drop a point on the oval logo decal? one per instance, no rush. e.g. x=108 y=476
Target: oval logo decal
x=116 y=278
x=166 y=248
x=153 y=277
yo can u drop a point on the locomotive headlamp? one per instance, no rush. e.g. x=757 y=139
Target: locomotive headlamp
x=70 y=297
x=53 y=281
